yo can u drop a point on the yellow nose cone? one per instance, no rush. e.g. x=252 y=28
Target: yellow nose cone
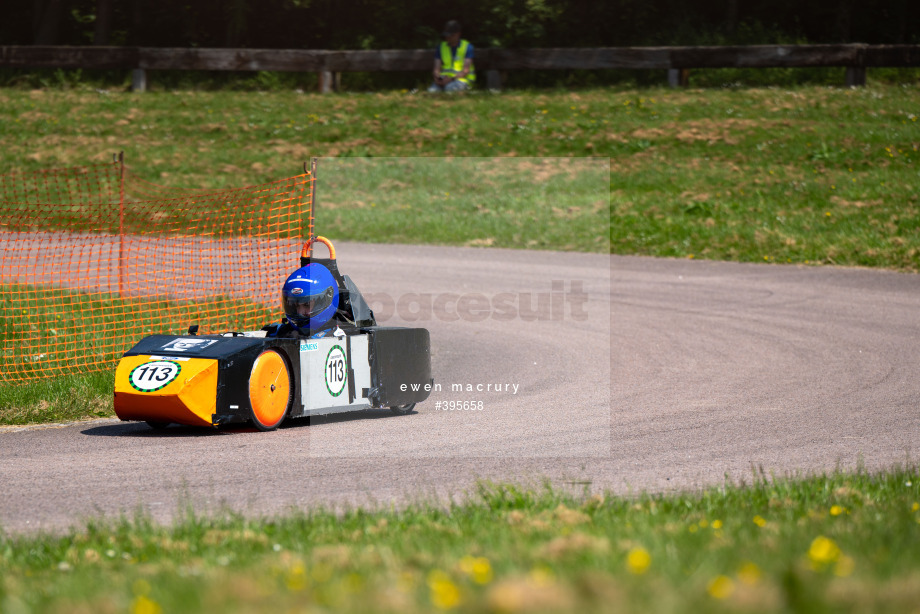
x=166 y=389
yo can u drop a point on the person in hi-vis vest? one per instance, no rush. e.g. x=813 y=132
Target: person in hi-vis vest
x=453 y=62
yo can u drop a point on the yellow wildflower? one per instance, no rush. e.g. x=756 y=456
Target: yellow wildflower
x=638 y=560
x=443 y=592
x=721 y=587
x=354 y=582
x=477 y=568
x=296 y=577
x=822 y=552
x=144 y=605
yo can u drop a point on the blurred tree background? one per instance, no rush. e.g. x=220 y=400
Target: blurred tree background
x=410 y=24
x=414 y=24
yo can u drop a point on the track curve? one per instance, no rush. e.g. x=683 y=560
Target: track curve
x=617 y=373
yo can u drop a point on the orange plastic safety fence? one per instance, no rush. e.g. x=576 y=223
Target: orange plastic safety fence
x=94 y=258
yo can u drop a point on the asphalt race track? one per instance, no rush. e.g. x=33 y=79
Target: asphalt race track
x=614 y=373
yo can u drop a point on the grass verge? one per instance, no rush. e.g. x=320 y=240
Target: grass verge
x=65 y=398
x=841 y=542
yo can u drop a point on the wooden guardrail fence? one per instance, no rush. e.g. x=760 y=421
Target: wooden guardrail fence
x=676 y=60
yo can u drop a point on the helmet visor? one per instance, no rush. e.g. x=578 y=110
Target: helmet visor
x=304 y=306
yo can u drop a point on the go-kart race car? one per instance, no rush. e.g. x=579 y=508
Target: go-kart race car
x=328 y=355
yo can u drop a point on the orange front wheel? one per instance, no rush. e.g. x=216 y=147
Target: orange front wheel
x=269 y=390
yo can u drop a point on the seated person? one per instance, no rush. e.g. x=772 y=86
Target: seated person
x=453 y=62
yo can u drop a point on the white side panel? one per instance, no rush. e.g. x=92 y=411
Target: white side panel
x=361 y=364
x=324 y=371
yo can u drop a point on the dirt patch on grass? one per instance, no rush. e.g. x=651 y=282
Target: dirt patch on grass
x=33 y=116
x=711 y=131
x=615 y=138
x=695 y=196
x=420 y=133
x=82 y=149
x=299 y=151
x=568 y=213
x=288 y=149
x=388 y=185
x=859 y=204
x=538 y=170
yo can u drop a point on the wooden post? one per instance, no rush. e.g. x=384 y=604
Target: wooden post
x=856 y=76
x=678 y=77
x=493 y=80
x=329 y=81
x=325 y=81
x=673 y=77
x=138 y=80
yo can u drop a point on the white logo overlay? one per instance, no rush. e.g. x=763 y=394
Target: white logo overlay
x=192 y=346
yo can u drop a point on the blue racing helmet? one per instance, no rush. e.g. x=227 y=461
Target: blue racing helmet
x=310 y=297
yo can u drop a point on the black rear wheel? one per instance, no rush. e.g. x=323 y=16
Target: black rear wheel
x=402 y=410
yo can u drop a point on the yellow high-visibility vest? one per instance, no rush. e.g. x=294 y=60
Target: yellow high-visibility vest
x=451 y=66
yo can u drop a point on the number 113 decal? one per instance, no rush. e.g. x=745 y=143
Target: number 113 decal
x=336 y=370
x=153 y=376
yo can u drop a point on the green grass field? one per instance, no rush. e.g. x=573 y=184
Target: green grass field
x=531 y=203
x=837 y=543
x=803 y=175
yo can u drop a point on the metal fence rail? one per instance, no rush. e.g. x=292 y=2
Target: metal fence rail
x=856 y=58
